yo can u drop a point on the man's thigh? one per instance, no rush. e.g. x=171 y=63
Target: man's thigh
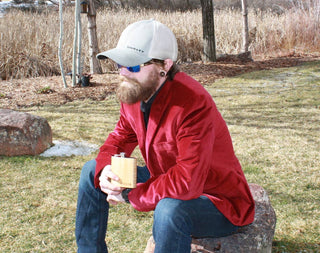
x=206 y=220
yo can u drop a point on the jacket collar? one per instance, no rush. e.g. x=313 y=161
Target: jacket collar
x=157 y=111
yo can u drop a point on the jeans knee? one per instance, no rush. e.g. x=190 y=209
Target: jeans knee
x=87 y=174
x=171 y=213
x=172 y=226
x=170 y=207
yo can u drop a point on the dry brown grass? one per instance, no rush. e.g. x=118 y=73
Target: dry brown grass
x=29 y=42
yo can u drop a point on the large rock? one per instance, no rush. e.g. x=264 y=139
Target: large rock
x=254 y=238
x=23 y=134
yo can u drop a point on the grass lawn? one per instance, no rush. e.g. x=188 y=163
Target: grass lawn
x=274 y=120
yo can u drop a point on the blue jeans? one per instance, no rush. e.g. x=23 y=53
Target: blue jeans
x=175 y=221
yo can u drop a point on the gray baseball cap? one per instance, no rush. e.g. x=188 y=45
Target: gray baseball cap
x=142 y=41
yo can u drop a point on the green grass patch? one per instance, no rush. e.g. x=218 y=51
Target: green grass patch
x=273 y=117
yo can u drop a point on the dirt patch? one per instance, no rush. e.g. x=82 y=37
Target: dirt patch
x=18 y=93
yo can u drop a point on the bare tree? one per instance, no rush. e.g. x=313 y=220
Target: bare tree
x=209 y=43
x=79 y=48
x=245 y=32
x=75 y=42
x=60 y=44
x=95 y=66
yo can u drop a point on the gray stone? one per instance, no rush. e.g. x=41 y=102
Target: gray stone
x=23 y=134
x=254 y=238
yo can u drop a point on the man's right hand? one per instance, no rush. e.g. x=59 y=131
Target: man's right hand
x=105 y=182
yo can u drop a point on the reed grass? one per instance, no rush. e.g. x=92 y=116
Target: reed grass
x=29 y=41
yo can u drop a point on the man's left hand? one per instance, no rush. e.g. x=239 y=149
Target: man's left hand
x=115 y=199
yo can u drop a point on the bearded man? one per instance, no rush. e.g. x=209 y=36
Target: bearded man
x=192 y=179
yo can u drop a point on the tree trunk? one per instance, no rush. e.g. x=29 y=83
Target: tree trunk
x=79 y=62
x=74 y=56
x=95 y=66
x=209 y=43
x=245 y=29
x=60 y=44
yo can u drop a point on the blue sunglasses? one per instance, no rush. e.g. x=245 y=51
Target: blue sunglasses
x=137 y=68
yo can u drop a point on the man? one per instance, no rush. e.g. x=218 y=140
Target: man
x=192 y=178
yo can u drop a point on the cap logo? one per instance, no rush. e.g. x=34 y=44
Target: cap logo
x=136 y=49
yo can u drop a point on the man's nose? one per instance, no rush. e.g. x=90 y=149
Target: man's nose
x=123 y=71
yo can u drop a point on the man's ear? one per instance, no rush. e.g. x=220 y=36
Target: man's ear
x=167 y=64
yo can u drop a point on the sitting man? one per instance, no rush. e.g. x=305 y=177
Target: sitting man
x=192 y=179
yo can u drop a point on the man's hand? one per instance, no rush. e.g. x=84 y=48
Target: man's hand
x=113 y=191
x=115 y=199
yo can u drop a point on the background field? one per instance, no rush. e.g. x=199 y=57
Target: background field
x=29 y=41
x=273 y=117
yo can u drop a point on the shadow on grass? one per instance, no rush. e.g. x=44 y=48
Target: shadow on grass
x=281 y=246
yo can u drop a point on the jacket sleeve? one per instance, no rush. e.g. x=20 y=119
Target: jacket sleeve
x=122 y=139
x=189 y=156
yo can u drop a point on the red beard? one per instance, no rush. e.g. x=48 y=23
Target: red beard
x=131 y=91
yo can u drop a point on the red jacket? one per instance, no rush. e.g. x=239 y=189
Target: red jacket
x=187 y=149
